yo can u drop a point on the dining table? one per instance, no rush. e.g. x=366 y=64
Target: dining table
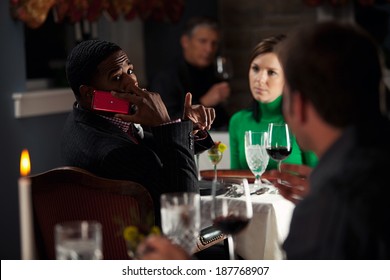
x=262 y=239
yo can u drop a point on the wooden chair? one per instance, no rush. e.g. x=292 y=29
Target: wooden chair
x=70 y=193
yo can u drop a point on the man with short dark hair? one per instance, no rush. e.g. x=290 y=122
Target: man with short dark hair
x=194 y=72
x=331 y=100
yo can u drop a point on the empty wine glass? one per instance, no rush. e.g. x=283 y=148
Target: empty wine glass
x=256 y=155
x=232 y=215
x=224 y=68
x=278 y=143
x=180 y=218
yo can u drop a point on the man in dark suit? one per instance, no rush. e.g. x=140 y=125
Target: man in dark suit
x=112 y=146
x=195 y=72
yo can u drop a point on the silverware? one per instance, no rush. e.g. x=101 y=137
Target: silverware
x=260 y=191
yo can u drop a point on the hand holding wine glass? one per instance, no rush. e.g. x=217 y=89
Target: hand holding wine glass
x=232 y=215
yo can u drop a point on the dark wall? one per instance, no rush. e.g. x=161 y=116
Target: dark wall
x=162 y=40
x=40 y=135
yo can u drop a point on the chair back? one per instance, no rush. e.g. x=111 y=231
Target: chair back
x=70 y=193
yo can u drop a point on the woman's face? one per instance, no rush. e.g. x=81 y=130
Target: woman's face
x=266 y=78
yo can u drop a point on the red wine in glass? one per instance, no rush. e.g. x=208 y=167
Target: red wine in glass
x=278 y=153
x=231 y=214
x=278 y=144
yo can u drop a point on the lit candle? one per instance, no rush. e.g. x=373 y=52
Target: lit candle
x=25 y=208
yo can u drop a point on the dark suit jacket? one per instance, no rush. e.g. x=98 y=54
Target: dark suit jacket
x=347 y=213
x=162 y=162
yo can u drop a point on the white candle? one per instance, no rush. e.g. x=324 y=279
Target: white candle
x=25 y=209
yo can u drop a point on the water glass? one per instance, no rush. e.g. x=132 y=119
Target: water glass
x=180 y=218
x=78 y=240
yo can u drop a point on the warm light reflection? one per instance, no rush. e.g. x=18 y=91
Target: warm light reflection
x=25 y=163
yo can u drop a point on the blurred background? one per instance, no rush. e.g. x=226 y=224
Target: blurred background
x=36 y=39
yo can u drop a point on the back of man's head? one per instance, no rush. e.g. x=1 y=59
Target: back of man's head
x=203 y=21
x=337 y=68
x=83 y=60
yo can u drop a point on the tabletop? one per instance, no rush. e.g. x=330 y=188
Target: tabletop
x=263 y=237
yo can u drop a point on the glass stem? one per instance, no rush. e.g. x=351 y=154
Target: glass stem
x=280 y=170
x=231 y=247
x=215 y=172
x=258 y=179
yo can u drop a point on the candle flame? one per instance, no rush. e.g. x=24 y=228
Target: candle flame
x=25 y=163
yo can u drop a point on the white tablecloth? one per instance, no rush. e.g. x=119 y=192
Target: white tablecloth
x=263 y=237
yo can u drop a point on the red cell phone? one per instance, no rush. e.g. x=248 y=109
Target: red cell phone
x=104 y=101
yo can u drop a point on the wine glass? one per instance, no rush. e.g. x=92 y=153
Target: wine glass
x=278 y=143
x=232 y=215
x=215 y=156
x=256 y=155
x=180 y=218
x=224 y=68
x=78 y=240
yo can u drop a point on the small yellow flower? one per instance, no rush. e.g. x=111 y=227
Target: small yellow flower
x=130 y=233
x=155 y=230
x=218 y=147
x=222 y=147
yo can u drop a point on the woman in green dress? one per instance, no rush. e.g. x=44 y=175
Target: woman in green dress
x=266 y=82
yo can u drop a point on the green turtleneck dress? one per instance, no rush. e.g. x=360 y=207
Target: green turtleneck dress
x=244 y=120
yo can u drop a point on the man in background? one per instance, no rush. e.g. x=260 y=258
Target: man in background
x=195 y=72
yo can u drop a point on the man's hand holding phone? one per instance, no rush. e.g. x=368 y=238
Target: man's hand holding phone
x=151 y=110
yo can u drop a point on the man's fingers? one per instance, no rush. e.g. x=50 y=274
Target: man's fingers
x=132 y=98
x=188 y=100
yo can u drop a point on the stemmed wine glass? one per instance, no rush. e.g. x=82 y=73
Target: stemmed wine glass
x=224 y=68
x=278 y=143
x=215 y=156
x=256 y=155
x=232 y=215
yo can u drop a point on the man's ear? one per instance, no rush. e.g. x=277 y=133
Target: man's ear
x=86 y=94
x=184 y=39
